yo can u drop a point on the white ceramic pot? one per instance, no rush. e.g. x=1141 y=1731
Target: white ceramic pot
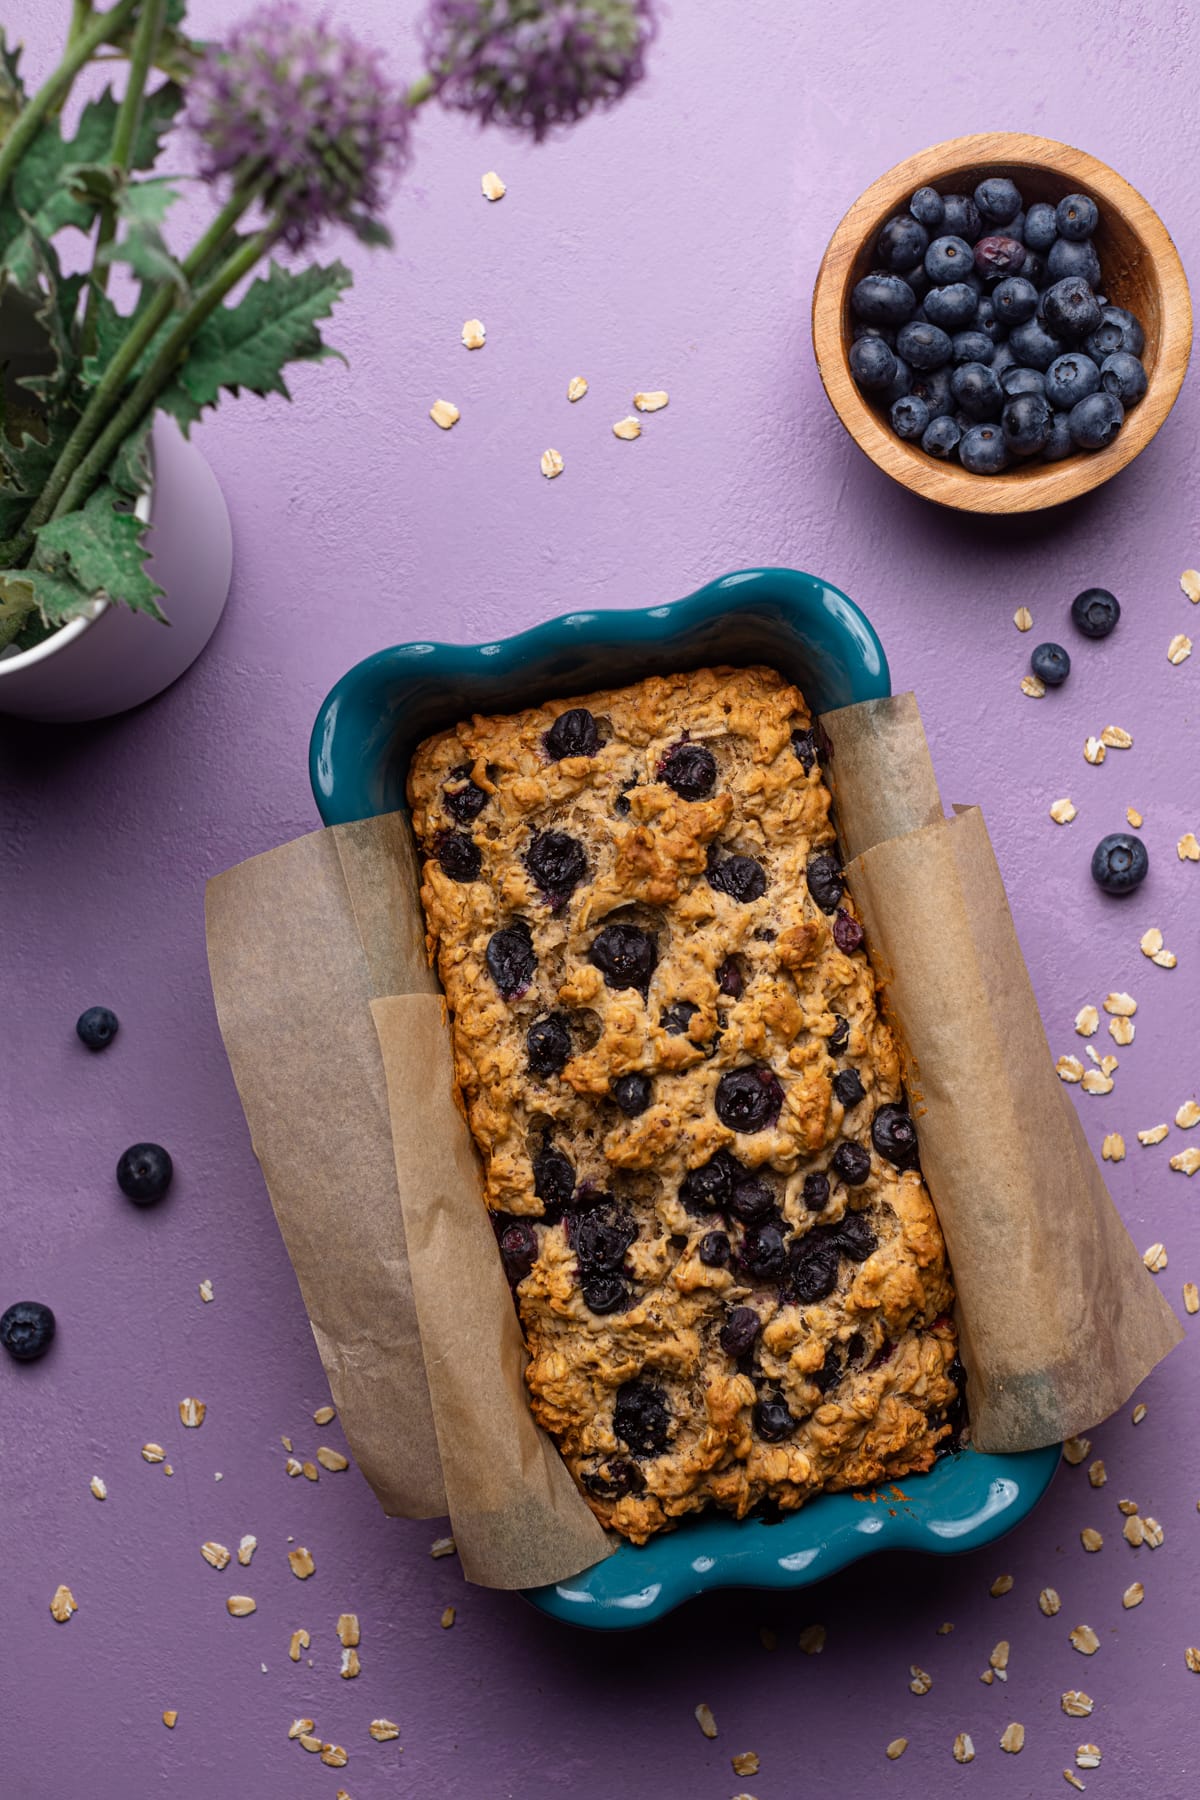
x=105 y=664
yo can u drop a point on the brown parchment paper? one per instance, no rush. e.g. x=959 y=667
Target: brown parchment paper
x=1059 y=1319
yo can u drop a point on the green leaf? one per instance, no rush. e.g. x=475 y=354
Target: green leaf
x=42 y=188
x=102 y=549
x=12 y=88
x=30 y=265
x=55 y=596
x=141 y=208
x=249 y=344
x=130 y=471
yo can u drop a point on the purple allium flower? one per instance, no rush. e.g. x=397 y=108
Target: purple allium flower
x=310 y=106
x=535 y=64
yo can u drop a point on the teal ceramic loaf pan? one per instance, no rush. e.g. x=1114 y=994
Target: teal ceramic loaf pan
x=363 y=738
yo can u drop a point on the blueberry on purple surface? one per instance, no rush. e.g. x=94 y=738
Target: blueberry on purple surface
x=573 y=733
x=848 y=1088
x=97 y=1027
x=816 y=1192
x=1123 y=375
x=961 y=216
x=1095 y=612
x=983 y=450
x=460 y=796
x=948 y=259
x=748 y=1099
x=1066 y=258
x=27 y=1330
x=901 y=243
x=999 y=255
x=928 y=207
x=895 y=1136
x=998 y=199
x=882 y=298
x=952 y=307
x=518 y=1246
x=1026 y=422
x=641 y=1417
x=1071 y=378
x=772 y=1421
x=738 y=1334
x=824 y=875
x=632 y=1093
x=548 y=1044
x=1051 y=664
x=848 y=934
x=558 y=863
x=553 y=1179
x=1076 y=217
x=144 y=1173
x=1070 y=309
x=910 y=417
x=691 y=769
x=1120 y=863
x=511 y=959
x=851 y=1162
x=713 y=1250
x=625 y=955
x=458 y=856
x=1041 y=226
x=740 y=877
x=1095 y=422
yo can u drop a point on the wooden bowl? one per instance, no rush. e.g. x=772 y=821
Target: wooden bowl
x=1141 y=271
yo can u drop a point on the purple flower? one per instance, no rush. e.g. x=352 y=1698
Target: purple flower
x=310 y=107
x=535 y=64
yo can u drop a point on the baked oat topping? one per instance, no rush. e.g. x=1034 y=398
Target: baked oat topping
x=1063 y=811
x=667 y=1040
x=1069 y=1069
x=300 y=1728
x=963 y=1750
x=921 y=1681
x=492 y=186
x=998 y=1660
x=1138 y=1413
x=1133 y=1531
x=333 y=1756
x=651 y=402
x=294 y=1466
x=1087 y=1756
x=1072 y=1777
x=348 y=1630
x=945 y=1628
x=1153 y=1531
x=1049 y=1601
x=1188 y=1115
x=246 y=1550
x=310 y=1742
x=310 y=1471
x=1127 y=1507
x=351 y=1666
x=1113 y=1147
x=1095 y=1081
x=216 y=1555
x=448 y=1617
x=1087 y=1021
x=1134 y=817
x=206 y=1290
x=1121 y=1031
x=1023 y=619
x=1085 y=1640
x=324 y=1415
x=1122 y=1006
x=474 y=334
x=705 y=1720
x=62 y=1604
x=1076 y=1704
x=1192 y=1658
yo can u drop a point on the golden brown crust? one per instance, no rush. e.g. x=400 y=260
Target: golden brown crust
x=655 y=1418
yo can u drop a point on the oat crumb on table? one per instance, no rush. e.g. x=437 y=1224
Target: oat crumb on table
x=1076 y=1704
x=896 y=1748
x=169 y=1718
x=705 y=1719
x=1076 y=1449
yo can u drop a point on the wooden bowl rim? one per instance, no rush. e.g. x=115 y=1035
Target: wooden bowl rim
x=1040 y=485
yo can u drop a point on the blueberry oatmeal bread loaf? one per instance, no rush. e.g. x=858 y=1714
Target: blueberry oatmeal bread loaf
x=668 y=1044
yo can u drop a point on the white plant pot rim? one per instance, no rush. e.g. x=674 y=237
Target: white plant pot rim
x=67 y=634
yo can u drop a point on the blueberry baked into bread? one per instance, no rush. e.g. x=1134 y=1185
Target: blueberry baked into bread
x=667 y=1039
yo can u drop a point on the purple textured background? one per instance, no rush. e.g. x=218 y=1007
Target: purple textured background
x=673 y=244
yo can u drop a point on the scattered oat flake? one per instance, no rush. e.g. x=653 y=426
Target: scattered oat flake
x=383 y=1730
x=921 y=1681
x=152 y=1453
x=1094 y=751
x=333 y=1460
x=577 y=387
x=287 y=1444
x=474 y=334
x=1113 y=1147
x=62 y=1604
x=300 y=1641
x=300 y=1728
x=988 y=1677
x=1097 y=1473
x=301 y=1562
x=1188 y=1115
x=1116 y=738
x=1097 y=1082
x=1087 y=1756
x=310 y=1471
x=333 y=1756
x=1087 y=1021
x=1121 y=1031
x=310 y=1743
x=206 y=1289
x=651 y=402
x=192 y=1412
x=1191 y=1297
x=1049 y=1601
x=216 y=1555
x=1139 y=1412
x=705 y=1720
x=1023 y=619
x=1069 y=1069
x=1085 y=1640
x=812 y=1640
x=1192 y=1658
x=1012 y=1738
x=348 y=1630
x=1155 y=1258
x=1189 y=581
x=1187 y=1162
x=492 y=186
x=1075 y=1450
x=945 y=1629
x=1033 y=685
x=1154 y=1134
x=324 y=1415
x=1063 y=811
x=1179 y=648
x=963 y=1748
x=767 y=1638
x=1091 y=1539
x=1188 y=847
x=745 y=1764
x=294 y=1466
x=999 y=1657
x=627 y=428
x=1076 y=1704
x=1001 y=1585
x=1151 y=941
x=448 y=1618
x=169 y=1718
x=351 y=1666
x=1133 y=1531
x=246 y=1550
x=1134 y=1594
x=896 y=1749
x=444 y=413
x=1127 y=1507
x=1123 y=1006
x=1072 y=1777
x=551 y=464
x=99 y=1487
x=168 y=1470
x=1153 y=1530
x=442 y=1547
x=240 y=1606
x=1134 y=817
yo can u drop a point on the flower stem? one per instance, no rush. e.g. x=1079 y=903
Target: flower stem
x=420 y=91
x=146 y=391
x=141 y=61
x=53 y=91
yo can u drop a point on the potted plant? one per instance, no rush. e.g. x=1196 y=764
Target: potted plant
x=296 y=128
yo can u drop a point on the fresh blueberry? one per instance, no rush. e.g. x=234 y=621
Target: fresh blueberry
x=998 y=256
x=713 y=1250
x=1108 y=337
x=573 y=733
x=998 y=200
x=1070 y=309
x=1034 y=346
x=1120 y=863
x=737 y=1335
x=27 y=1330
x=973 y=347
x=933 y=387
x=988 y=320
x=625 y=955
x=918 y=281
x=941 y=438
x=848 y=1087
x=901 y=244
x=1015 y=299
x=883 y=299
x=642 y=1418
x=748 y=1100
x=1066 y=258
x=1041 y=226
x=977 y=390
x=1058 y=444
x=1071 y=378
x=558 y=863
x=1026 y=422
x=961 y=217
x=1096 y=421
x=741 y=877
x=851 y=1163
x=459 y=856
x=97 y=1027
x=952 y=307
x=909 y=417
x=1034 y=269
x=511 y=959
x=1016 y=380
x=676 y=1019
x=548 y=1044
x=848 y=934
x=1051 y=664
x=518 y=1246
x=872 y=363
x=923 y=346
x=927 y=207
x=461 y=798
x=1123 y=375
x=1133 y=338
x=901 y=383
x=824 y=875
x=895 y=1136
x=632 y=1094
x=816 y=1192
x=1095 y=612
x=144 y=1173
x=690 y=769
x=860 y=330
x=983 y=451
x=1076 y=217
x=948 y=259
x=772 y=1421
x=763 y=1255
x=1002 y=359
